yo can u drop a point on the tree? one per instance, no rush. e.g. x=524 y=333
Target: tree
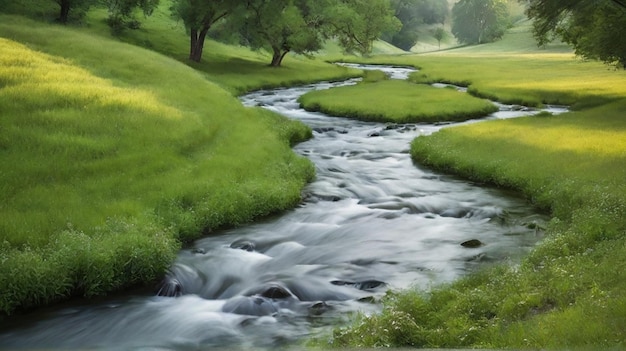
x=77 y=6
x=282 y=26
x=199 y=16
x=358 y=23
x=432 y=11
x=439 y=34
x=479 y=21
x=593 y=27
x=412 y=14
x=121 y=13
x=406 y=12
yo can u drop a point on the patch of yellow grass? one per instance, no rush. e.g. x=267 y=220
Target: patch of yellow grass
x=31 y=79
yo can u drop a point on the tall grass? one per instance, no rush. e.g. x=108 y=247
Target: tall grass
x=113 y=155
x=569 y=292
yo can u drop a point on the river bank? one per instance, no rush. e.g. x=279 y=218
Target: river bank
x=370 y=222
x=114 y=164
x=569 y=291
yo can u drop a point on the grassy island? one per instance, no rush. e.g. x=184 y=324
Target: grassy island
x=397 y=102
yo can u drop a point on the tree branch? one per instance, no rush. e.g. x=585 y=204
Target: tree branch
x=620 y=3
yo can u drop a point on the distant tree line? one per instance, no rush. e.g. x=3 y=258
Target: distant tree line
x=121 y=12
x=286 y=26
x=593 y=27
x=280 y=26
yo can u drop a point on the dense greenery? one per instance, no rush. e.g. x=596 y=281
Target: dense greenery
x=76 y=6
x=413 y=13
x=397 y=102
x=592 y=27
x=479 y=21
x=122 y=13
x=284 y=26
x=570 y=291
x=358 y=23
x=199 y=17
x=114 y=163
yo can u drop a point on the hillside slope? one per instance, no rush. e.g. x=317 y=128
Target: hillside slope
x=112 y=155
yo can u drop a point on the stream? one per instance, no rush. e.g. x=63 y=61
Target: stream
x=371 y=221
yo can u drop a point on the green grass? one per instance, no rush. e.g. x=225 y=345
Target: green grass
x=235 y=68
x=396 y=101
x=119 y=154
x=109 y=164
x=570 y=291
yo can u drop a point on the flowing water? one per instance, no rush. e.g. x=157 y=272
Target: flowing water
x=371 y=221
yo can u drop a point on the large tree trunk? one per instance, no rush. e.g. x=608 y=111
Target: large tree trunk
x=65 y=11
x=197 y=43
x=278 y=56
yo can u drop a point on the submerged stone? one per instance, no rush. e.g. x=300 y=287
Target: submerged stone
x=473 y=243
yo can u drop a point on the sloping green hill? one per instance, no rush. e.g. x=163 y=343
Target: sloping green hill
x=112 y=154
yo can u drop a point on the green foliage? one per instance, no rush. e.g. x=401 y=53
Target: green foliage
x=116 y=162
x=411 y=14
x=439 y=34
x=405 y=39
x=77 y=8
x=479 y=21
x=122 y=16
x=282 y=26
x=358 y=23
x=199 y=17
x=589 y=26
x=399 y=101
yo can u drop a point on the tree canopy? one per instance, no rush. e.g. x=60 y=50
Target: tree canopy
x=199 y=16
x=479 y=21
x=121 y=12
x=593 y=27
x=284 y=26
x=411 y=14
x=357 y=23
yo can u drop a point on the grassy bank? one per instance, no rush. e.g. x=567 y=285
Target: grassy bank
x=397 y=102
x=570 y=292
x=113 y=155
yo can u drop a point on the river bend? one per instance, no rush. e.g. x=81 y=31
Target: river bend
x=371 y=221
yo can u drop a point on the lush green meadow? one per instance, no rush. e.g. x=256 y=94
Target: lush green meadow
x=114 y=155
x=570 y=292
x=398 y=102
